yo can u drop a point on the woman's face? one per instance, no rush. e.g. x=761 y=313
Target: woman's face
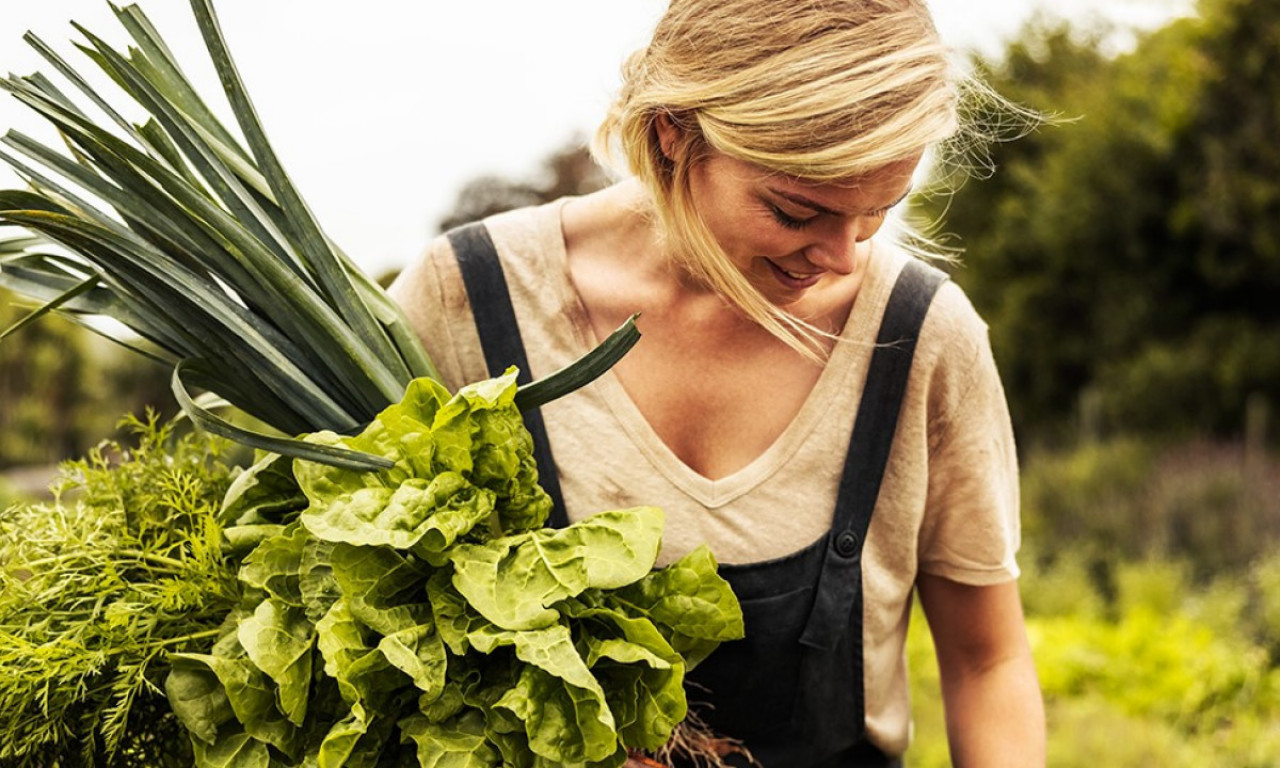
x=789 y=236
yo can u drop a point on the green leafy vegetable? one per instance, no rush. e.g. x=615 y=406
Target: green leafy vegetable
x=396 y=626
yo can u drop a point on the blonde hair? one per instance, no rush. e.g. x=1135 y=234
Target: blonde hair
x=821 y=90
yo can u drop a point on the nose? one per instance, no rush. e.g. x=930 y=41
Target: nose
x=835 y=249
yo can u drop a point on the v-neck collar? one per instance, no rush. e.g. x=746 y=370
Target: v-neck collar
x=833 y=382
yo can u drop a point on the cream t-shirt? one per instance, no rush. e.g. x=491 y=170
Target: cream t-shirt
x=948 y=504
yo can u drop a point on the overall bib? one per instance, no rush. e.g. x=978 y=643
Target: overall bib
x=792 y=689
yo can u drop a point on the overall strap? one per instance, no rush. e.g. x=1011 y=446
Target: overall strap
x=839 y=596
x=500 y=340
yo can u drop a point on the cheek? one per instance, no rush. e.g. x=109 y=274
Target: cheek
x=748 y=234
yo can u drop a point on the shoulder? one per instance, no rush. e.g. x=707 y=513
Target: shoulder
x=954 y=368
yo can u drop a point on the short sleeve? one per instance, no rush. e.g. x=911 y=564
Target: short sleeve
x=971 y=531
x=433 y=297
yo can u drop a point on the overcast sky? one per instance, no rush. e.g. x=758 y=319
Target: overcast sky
x=382 y=109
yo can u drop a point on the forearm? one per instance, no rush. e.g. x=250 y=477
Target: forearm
x=995 y=715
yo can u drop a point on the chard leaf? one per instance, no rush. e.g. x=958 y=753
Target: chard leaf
x=642 y=675
x=564 y=723
x=232 y=750
x=550 y=649
x=341 y=740
x=316 y=584
x=382 y=589
x=365 y=678
x=456 y=743
x=454 y=617
x=197 y=698
x=274 y=565
x=419 y=652
x=645 y=690
x=448 y=704
x=690 y=602
x=514 y=580
x=355 y=741
x=263 y=493
x=278 y=639
x=252 y=697
x=242 y=539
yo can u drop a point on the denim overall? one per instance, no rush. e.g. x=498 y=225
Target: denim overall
x=792 y=690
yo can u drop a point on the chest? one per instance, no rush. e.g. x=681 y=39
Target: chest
x=717 y=401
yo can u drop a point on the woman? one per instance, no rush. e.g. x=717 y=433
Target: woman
x=768 y=141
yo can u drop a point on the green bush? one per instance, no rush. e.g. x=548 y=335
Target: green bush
x=1211 y=505
x=1151 y=583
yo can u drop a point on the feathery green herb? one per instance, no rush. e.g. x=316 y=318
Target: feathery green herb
x=98 y=587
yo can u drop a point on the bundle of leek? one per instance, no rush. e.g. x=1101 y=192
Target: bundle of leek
x=206 y=250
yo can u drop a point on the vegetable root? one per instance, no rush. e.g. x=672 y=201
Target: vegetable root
x=693 y=745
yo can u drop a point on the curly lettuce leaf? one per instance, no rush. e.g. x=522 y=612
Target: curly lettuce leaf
x=514 y=580
x=689 y=601
x=459 y=463
x=278 y=639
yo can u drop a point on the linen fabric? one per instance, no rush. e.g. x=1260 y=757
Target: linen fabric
x=949 y=500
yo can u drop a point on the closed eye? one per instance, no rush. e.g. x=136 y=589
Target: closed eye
x=786 y=220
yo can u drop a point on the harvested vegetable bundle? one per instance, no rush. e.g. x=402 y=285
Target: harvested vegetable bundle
x=401 y=596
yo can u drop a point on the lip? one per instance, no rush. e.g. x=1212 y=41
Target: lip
x=789 y=280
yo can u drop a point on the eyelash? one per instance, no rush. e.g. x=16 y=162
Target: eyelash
x=790 y=222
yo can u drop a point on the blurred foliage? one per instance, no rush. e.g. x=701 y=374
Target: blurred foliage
x=566 y=172
x=43 y=386
x=1211 y=505
x=1127 y=258
x=1153 y=647
x=9 y=496
x=62 y=388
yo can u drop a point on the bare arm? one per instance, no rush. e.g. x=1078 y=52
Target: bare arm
x=994 y=710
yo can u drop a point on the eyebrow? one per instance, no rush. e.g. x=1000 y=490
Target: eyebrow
x=820 y=208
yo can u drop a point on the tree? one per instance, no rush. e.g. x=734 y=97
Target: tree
x=567 y=171
x=1127 y=258
x=63 y=388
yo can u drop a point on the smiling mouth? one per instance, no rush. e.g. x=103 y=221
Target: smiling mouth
x=795 y=279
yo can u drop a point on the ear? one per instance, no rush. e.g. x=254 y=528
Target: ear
x=668 y=133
